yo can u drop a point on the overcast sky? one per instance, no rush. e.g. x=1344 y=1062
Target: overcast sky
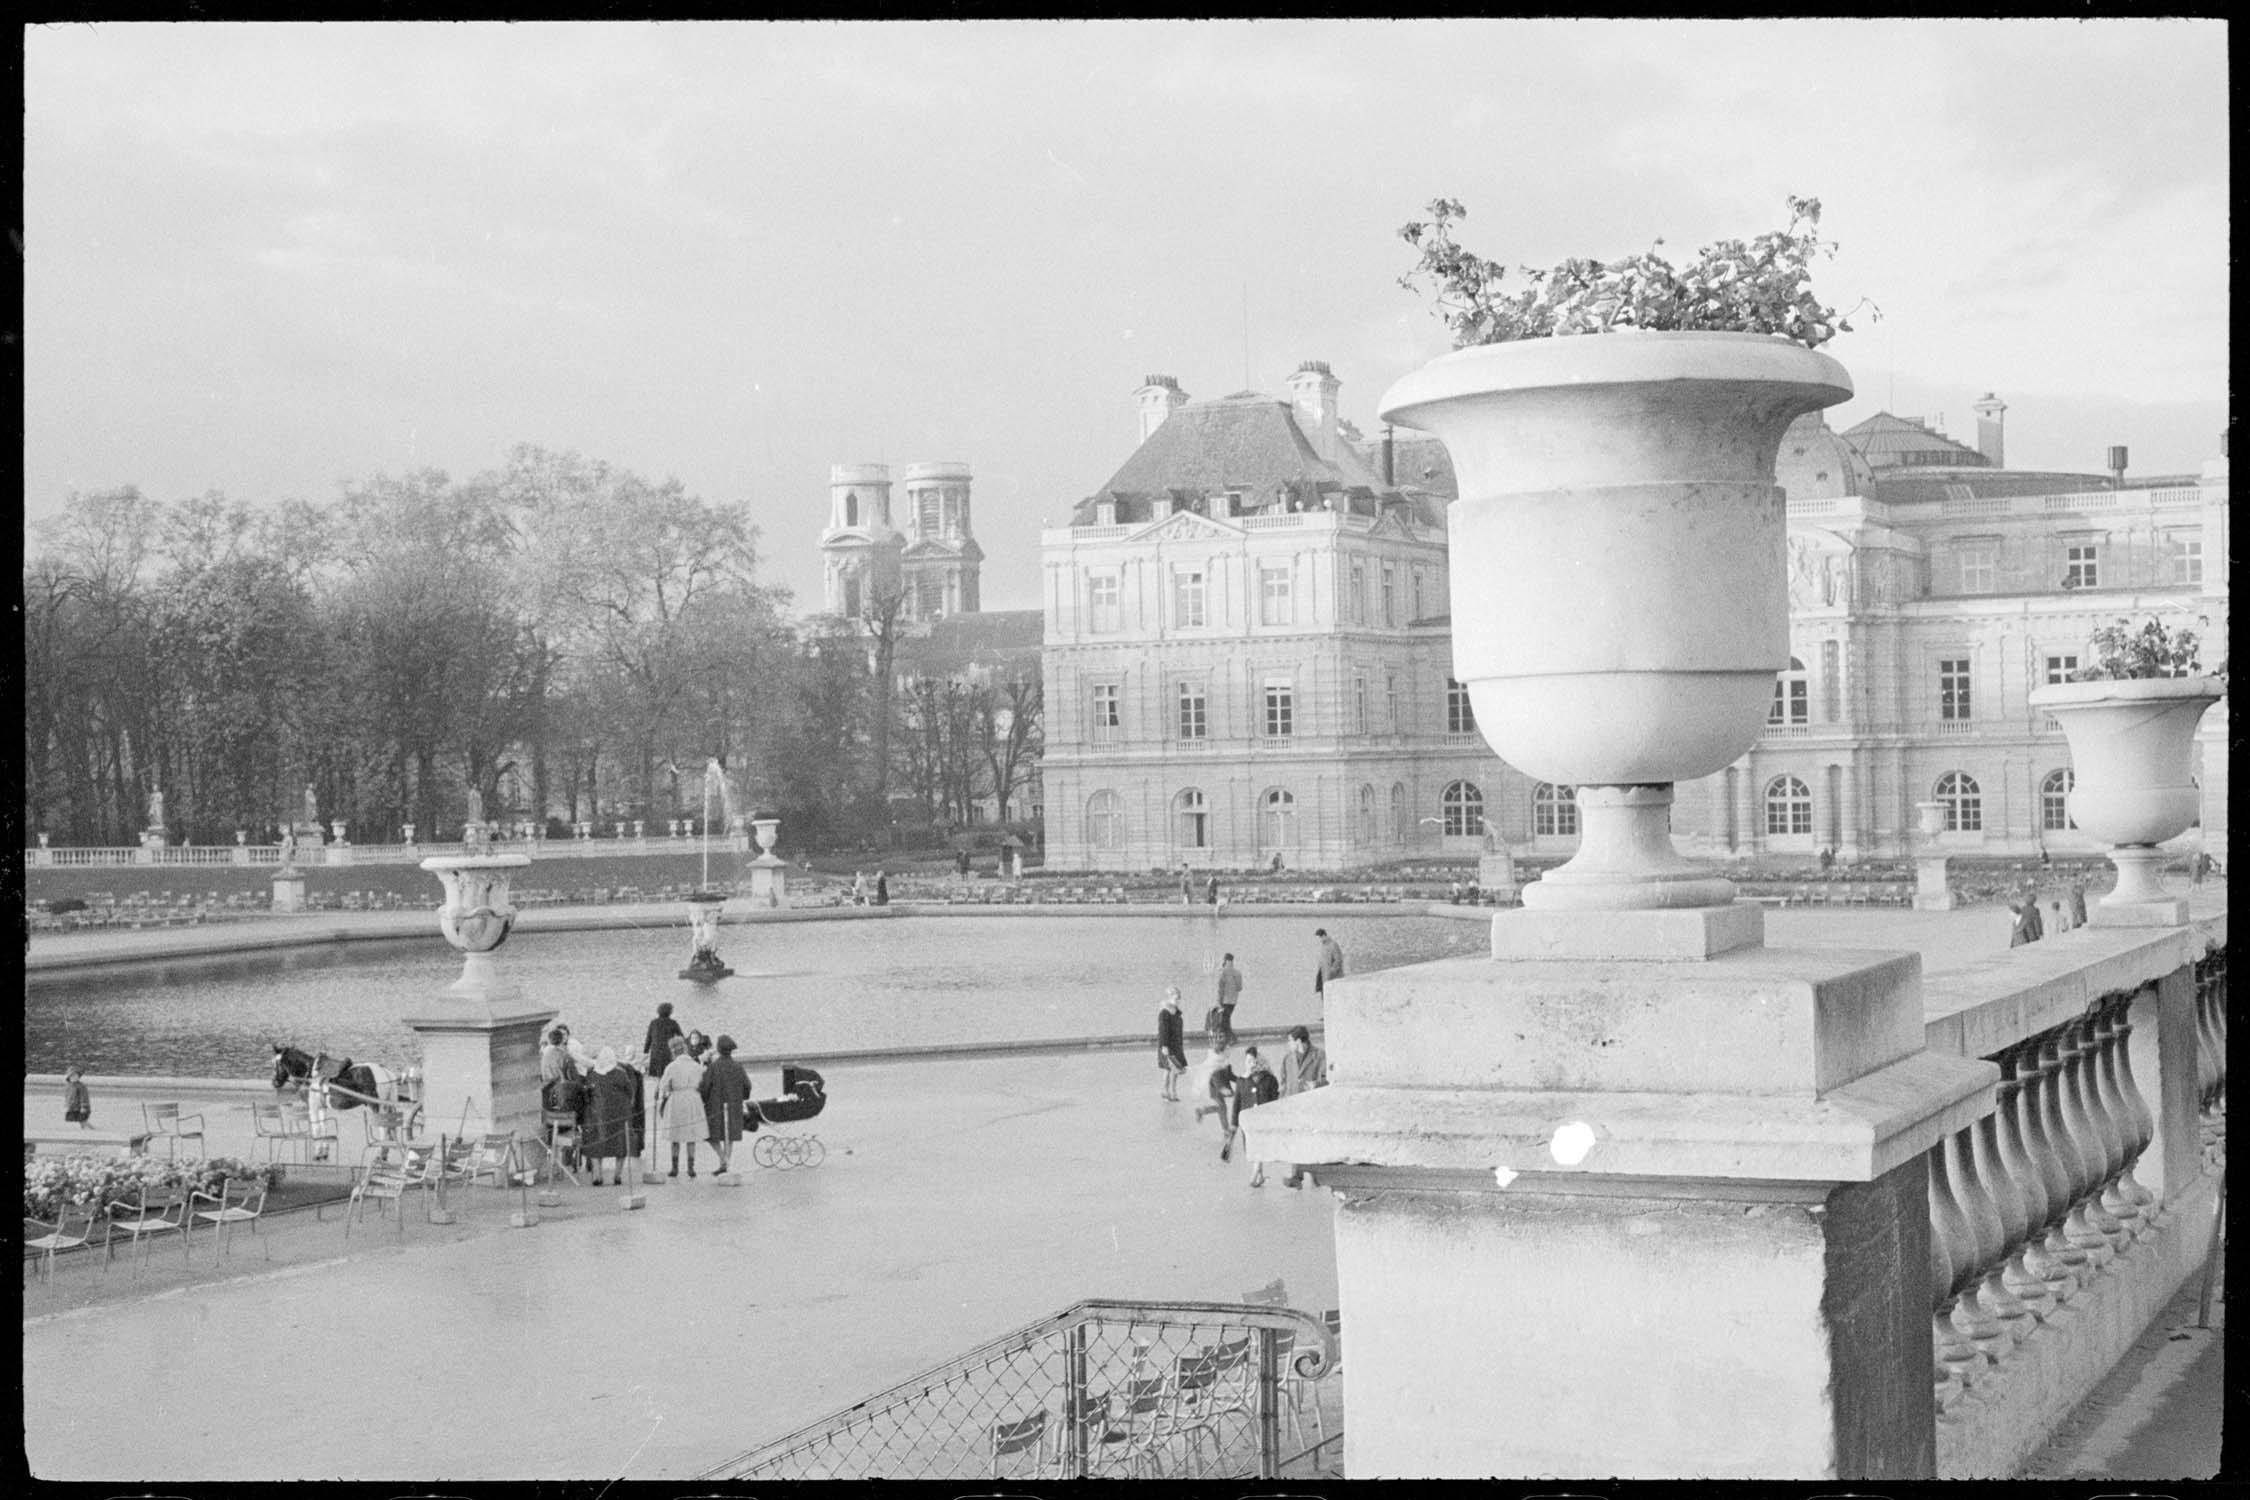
x=266 y=258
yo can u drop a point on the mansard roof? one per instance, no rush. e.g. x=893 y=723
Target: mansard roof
x=1889 y=442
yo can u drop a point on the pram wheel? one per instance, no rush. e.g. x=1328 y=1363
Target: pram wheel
x=767 y=1153
x=815 y=1152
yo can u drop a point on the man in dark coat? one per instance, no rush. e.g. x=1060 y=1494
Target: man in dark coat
x=1171 y=1042
x=1304 y=1066
x=1331 y=962
x=726 y=1091
x=656 y=1051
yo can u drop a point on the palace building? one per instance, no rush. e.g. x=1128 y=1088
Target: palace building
x=1247 y=654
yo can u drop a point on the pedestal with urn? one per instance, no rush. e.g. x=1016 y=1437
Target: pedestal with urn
x=480 y=1034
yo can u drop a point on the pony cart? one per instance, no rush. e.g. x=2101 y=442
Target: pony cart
x=802 y=1097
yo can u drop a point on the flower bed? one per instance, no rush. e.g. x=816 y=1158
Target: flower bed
x=50 y=1183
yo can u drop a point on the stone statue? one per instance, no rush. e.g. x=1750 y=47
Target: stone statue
x=312 y=806
x=476 y=807
x=156 y=809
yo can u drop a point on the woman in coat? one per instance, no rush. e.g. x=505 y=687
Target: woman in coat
x=610 y=1107
x=1171 y=1042
x=680 y=1104
x=726 y=1091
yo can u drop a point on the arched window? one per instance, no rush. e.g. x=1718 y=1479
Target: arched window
x=1105 y=821
x=1367 y=829
x=1964 y=804
x=1278 y=820
x=1788 y=807
x=1191 y=820
x=1398 y=812
x=1464 y=811
x=1554 y=810
x=851 y=507
x=2054 y=801
x=1791 y=705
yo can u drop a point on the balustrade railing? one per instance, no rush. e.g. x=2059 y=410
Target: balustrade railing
x=2211 y=1055
x=1101 y=1389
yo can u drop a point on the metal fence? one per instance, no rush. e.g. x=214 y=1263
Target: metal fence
x=1103 y=1389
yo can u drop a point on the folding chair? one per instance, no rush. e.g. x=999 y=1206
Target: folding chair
x=562 y=1145
x=228 y=1210
x=166 y=1123
x=498 y=1157
x=73 y=1226
x=381 y=1180
x=1018 y=1435
x=152 y=1212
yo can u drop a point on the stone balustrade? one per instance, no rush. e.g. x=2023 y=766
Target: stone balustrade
x=2064 y=1220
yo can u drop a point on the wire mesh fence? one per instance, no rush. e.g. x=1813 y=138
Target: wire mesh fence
x=1101 y=1390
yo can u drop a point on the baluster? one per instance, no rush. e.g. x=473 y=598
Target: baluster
x=1956 y=1357
x=1994 y=1329
x=2127 y=1108
x=2029 y=1270
x=2105 y=1135
x=2009 y=1223
x=2058 y=1164
x=2086 y=1224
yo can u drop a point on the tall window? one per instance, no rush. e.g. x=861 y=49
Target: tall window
x=1460 y=714
x=1359 y=702
x=1953 y=687
x=1792 y=703
x=1831 y=682
x=1195 y=723
x=1398 y=812
x=1105 y=821
x=1390 y=702
x=1420 y=610
x=930 y=509
x=1390 y=595
x=2081 y=568
x=1187 y=597
x=1964 y=804
x=1191 y=820
x=1359 y=593
x=1788 y=806
x=1281 y=710
x=1102 y=593
x=1554 y=810
x=1278 y=820
x=1464 y=810
x=2054 y=800
x=1979 y=562
x=2059 y=668
x=1108 y=718
x=1367 y=829
x=929 y=597
x=1275 y=607
x=2187 y=557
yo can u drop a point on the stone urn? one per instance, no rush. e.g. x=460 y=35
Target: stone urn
x=1618 y=573
x=477 y=915
x=2131 y=742
x=480 y=1041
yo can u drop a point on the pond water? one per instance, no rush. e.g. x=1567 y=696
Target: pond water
x=800 y=987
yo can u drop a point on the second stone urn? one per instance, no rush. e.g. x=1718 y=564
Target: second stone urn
x=1618 y=573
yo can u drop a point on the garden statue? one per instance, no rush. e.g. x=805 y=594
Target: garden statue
x=156 y=809
x=312 y=806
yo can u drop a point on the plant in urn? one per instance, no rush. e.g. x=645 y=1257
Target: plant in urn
x=1619 y=588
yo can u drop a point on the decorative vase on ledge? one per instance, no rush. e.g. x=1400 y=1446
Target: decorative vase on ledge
x=1619 y=587
x=2131 y=757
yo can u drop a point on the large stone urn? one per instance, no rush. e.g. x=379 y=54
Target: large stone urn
x=2131 y=759
x=480 y=1040
x=1933 y=881
x=1619 y=588
x=769 y=874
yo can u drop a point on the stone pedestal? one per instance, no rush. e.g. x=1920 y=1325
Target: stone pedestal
x=769 y=881
x=2138 y=899
x=1586 y=1197
x=480 y=1054
x=152 y=844
x=1933 y=890
x=1496 y=877
x=289 y=891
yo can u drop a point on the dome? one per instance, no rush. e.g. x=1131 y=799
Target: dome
x=1815 y=464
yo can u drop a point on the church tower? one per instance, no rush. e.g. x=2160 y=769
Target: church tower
x=860 y=546
x=941 y=558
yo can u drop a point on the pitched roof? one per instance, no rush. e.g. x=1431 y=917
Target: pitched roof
x=1888 y=442
x=953 y=643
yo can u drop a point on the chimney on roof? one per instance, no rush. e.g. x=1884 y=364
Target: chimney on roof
x=1313 y=392
x=2117 y=465
x=1991 y=417
x=1158 y=396
x=1388 y=449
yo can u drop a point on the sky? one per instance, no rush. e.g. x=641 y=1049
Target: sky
x=268 y=259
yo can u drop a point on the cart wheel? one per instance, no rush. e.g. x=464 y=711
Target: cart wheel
x=815 y=1152
x=767 y=1152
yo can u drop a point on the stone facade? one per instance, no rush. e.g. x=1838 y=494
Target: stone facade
x=1248 y=653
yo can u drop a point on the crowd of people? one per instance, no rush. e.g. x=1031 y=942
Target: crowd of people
x=1231 y=1089
x=681 y=1089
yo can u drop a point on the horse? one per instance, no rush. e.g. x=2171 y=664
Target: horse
x=315 y=1073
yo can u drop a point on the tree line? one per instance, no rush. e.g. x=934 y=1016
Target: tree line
x=570 y=641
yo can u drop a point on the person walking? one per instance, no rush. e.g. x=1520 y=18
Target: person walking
x=2027 y=928
x=2061 y=918
x=656 y=1047
x=1303 y=1067
x=726 y=1093
x=2078 y=903
x=859 y=887
x=77 y=1104
x=611 y=1107
x=1171 y=1042
x=1218 y=1085
x=1230 y=994
x=1257 y=1086
x=1211 y=891
x=1331 y=963
x=680 y=1103
x=882 y=889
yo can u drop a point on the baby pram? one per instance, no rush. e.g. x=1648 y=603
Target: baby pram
x=802 y=1097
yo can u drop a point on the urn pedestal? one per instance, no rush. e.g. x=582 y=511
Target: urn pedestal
x=1933 y=882
x=289 y=891
x=480 y=1034
x=769 y=876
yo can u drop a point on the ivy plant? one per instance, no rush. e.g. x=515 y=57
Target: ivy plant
x=1760 y=286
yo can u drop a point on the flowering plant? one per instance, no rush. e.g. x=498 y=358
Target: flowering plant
x=1763 y=286
x=52 y=1183
x=2121 y=652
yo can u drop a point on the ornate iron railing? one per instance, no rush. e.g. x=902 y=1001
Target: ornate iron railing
x=1101 y=1389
